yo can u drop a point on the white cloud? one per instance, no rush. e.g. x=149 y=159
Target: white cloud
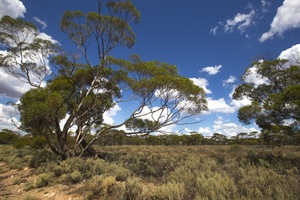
x=12 y=87
x=237 y=104
x=219 y=106
x=239 y=22
x=292 y=54
x=108 y=115
x=230 y=80
x=230 y=129
x=202 y=83
x=7 y=113
x=253 y=77
x=205 y=131
x=45 y=36
x=12 y=8
x=286 y=18
x=211 y=70
x=171 y=129
x=265 y=6
x=42 y=23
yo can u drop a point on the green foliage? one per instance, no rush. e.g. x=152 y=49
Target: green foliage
x=8 y=136
x=39 y=109
x=18 y=181
x=34 y=142
x=275 y=101
x=22 y=157
x=100 y=187
x=28 y=186
x=42 y=180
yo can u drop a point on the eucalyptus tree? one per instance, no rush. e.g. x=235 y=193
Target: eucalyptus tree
x=275 y=98
x=89 y=82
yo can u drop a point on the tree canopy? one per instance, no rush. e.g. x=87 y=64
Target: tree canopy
x=275 y=98
x=89 y=82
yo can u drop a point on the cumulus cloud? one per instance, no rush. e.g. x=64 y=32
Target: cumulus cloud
x=202 y=83
x=237 y=104
x=171 y=129
x=229 y=81
x=12 y=87
x=239 y=22
x=211 y=70
x=292 y=54
x=108 y=115
x=12 y=8
x=219 y=106
x=45 y=36
x=286 y=18
x=254 y=78
x=225 y=127
x=230 y=129
x=7 y=114
x=42 y=23
x=205 y=130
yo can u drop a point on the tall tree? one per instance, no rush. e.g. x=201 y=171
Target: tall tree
x=275 y=98
x=90 y=82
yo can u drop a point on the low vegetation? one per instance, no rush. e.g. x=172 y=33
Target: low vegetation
x=168 y=172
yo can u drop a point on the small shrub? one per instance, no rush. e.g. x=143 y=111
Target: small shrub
x=18 y=181
x=64 y=178
x=75 y=176
x=93 y=187
x=42 y=157
x=57 y=170
x=100 y=187
x=28 y=186
x=133 y=189
x=42 y=180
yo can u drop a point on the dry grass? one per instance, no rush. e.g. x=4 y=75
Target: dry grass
x=175 y=172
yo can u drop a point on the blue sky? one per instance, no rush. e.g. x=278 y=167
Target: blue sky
x=210 y=41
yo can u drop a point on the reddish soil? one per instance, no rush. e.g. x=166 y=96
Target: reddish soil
x=14 y=181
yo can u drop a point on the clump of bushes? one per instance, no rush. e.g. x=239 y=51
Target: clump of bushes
x=8 y=136
x=103 y=187
x=75 y=170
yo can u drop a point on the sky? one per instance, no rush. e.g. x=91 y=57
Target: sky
x=212 y=42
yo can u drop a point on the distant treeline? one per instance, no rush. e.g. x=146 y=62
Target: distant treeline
x=193 y=139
